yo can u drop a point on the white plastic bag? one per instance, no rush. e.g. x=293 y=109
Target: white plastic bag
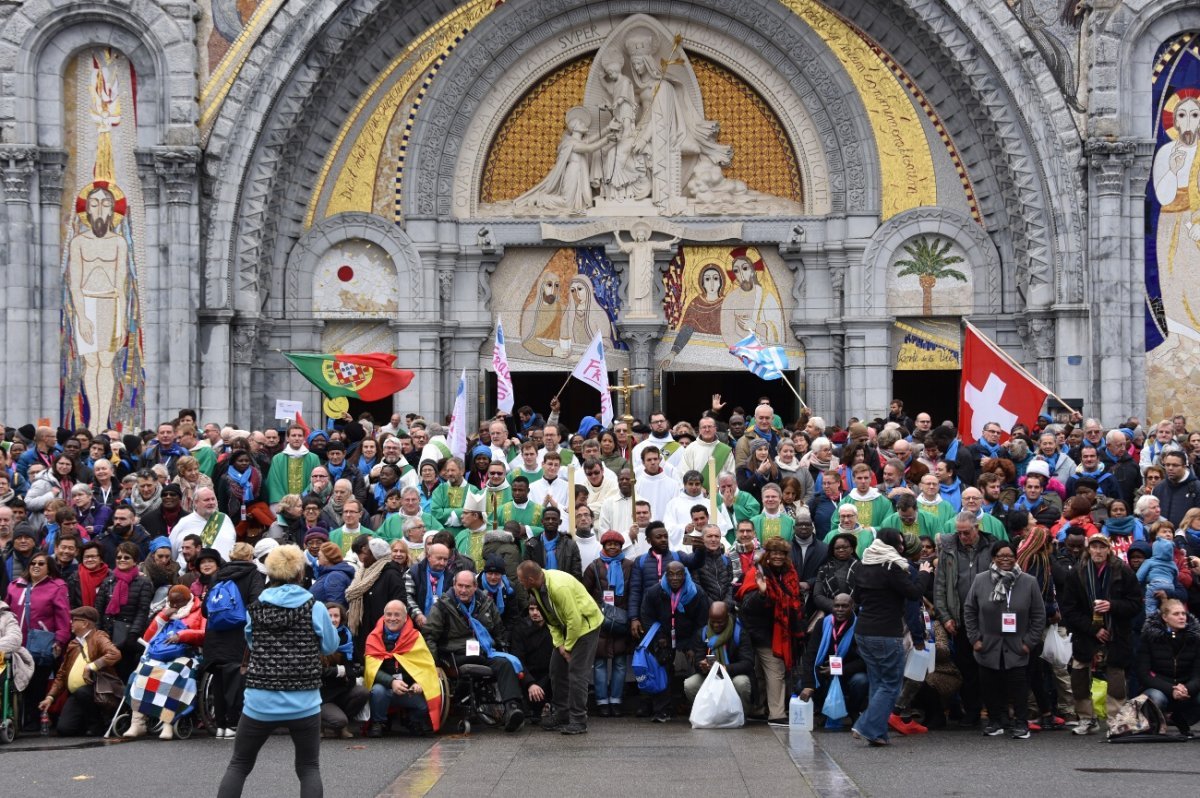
x=1056 y=649
x=717 y=705
x=920 y=663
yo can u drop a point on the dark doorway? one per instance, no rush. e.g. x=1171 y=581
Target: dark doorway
x=687 y=394
x=535 y=388
x=932 y=392
x=380 y=410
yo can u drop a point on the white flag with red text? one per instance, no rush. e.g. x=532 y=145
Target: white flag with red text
x=504 y=385
x=593 y=370
x=994 y=389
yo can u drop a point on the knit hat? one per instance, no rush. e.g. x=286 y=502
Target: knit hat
x=1140 y=545
x=494 y=564
x=172 y=489
x=23 y=530
x=27 y=431
x=335 y=446
x=912 y=544
x=160 y=543
x=1099 y=540
x=86 y=614
x=316 y=533
x=1087 y=482
x=1038 y=467
x=332 y=553
x=263 y=547
x=757 y=443
x=612 y=535
x=379 y=548
x=858 y=430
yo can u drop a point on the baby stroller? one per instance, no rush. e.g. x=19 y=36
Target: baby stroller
x=166 y=692
x=10 y=700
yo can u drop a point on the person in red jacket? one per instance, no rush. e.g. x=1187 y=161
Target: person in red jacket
x=176 y=631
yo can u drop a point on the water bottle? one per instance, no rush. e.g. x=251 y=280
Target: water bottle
x=800 y=714
x=45 y=723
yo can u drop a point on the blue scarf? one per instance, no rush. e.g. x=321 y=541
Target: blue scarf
x=1023 y=504
x=616 y=576
x=551 y=547
x=952 y=493
x=1052 y=461
x=1122 y=526
x=992 y=449
x=365 y=465
x=499 y=592
x=486 y=644
x=432 y=594
x=1193 y=536
x=244 y=481
x=346 y=643
x=952 y=452
x=826 y=638
x=335 y=472
x=390 y=637
x=686 y=593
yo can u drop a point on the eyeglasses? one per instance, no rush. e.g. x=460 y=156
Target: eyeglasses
x=120 y=558
x=38 y=564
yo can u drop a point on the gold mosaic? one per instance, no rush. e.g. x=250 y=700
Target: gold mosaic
x=523 y=152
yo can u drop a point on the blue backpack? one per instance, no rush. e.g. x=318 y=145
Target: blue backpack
x=651 y=676
x=224 y=606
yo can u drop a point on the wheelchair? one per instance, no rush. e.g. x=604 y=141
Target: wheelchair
x=10 y=702
x=470 y=693
x=195 y=715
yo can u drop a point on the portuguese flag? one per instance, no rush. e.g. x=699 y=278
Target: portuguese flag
x=369 y=376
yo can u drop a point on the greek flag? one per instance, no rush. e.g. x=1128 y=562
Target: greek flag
x=766 y=362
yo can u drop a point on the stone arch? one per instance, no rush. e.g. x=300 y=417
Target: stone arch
x=155 y=42
x=1135 y=31
x=454 y=99
x=301 y=264
x=949 y=224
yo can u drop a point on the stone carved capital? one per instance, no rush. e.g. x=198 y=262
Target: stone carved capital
x=176 y=167
x=16 y=169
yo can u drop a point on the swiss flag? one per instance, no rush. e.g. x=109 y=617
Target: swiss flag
x=994 y=389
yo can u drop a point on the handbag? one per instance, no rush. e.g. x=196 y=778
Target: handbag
x=616 y=621
x=120 y=633
x=39 y=642
x=650 y=674
x=108 y=689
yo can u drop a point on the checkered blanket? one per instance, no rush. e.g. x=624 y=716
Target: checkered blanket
x=162 y=688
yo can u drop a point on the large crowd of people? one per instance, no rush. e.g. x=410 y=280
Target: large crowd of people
x=897 y=577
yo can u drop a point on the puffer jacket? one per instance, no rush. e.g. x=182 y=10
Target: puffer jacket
x=135 y=611
x=332 y=581
x=713 y=574
x=447 y=630
x=1167 y=658
x=41 y=492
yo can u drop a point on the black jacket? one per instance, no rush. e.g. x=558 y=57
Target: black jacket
x=1125 y=598
x=108 y=543
x=1167 y=658
x=227 y=646
x=742 y=661
x=389 y=586
x=566 y=553
x=135 y=611
x=532 y=645
x=1176 y=498
x=713 y=574
x=880 y=592
x=852 y=663
x=690 y=619
x=808 y=566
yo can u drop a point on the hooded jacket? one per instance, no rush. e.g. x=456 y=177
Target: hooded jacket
x=332 y=581
x=1175 y=498
x=227 y=646
x=1167 y=658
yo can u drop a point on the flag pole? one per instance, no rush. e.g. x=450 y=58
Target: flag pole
x=564 y=386
x=797 y=393
x=996 y=348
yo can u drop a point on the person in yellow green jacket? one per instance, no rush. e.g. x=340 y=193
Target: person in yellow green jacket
x=574 y=619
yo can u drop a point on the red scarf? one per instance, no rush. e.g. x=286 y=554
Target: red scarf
x=89 y=580
x=783 y=591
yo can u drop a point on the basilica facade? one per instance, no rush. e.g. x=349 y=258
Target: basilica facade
x=191 y=189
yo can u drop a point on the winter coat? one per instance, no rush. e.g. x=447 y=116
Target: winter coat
x=946 y=597
x=192 y=615
x=881 y=593
x=447 y=630
x=595 y=579
x=108 y=544
x=645 y=573
x=567 y=554
x=690 y=619
x=1174 y=498
x=44 y=489
x=135 y=611
x=713 y=574
x=1125 y=598
x=101 y=652
x=49 y=607
x=331 y=582
x=1167 y=658
x=532 y=645
x=982 y=618
x=227 y=646
x=834 y=577
x=15 y=656
x=500 y=541
x=286 y=530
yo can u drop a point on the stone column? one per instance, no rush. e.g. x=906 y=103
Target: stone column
x=216 y=344
x=20 y=393
x=1135 y=262
x=1112 y=287
x=177 y=368
x=47 y=275
x=418 y=343
x=642 y=336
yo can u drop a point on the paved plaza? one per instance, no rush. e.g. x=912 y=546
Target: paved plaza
x=622 y=756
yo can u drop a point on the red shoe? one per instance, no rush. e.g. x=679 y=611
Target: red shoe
x=915 y=728
x=897 y=724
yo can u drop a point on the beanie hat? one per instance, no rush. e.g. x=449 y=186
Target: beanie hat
x=332 y=552
x=612 y=535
